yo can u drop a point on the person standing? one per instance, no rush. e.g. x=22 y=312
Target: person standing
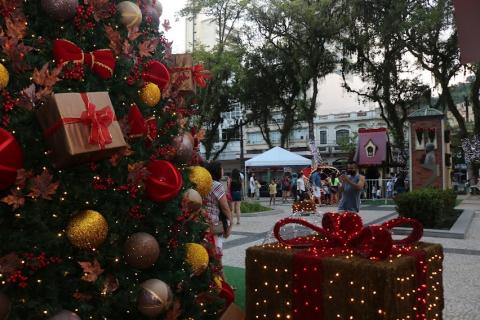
x=351 y=187
x=390 y=188
x=293 y=187
x=217 y=208
x=334 y=188
x=252 y=185
x=272 y=190
x=236 y=193
x=257 y=189
x=301 y=186
x=316 y=180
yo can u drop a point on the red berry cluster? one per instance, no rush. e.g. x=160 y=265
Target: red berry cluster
x=167 y=152
x=84 y=19
x=73 y=71
x=8 y=101
x=19 y=278
x=134 y=74
x=135 y=213
x=103 y=184
x=41 y=261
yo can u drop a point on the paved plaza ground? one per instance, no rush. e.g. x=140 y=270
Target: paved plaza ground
x=461 y=265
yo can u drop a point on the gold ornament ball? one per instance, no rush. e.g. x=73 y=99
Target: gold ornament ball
x=150 y=94
x=87 y=229
x=197 y=258
x=131 y=15
x=154 y=298
x=4 y=77
x=202 y=180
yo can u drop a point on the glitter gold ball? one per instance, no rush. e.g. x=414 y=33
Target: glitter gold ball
x=150 y=94
x=87 y=229
x=130 y=14
x=197 y=257
x=4 y=77
x=202 y=180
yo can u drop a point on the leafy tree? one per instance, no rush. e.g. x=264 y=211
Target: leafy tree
x=374 y=51
x=224 y=63
x=349 y=144
x=304 y=31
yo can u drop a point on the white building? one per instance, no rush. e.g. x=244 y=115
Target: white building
x=200 y=31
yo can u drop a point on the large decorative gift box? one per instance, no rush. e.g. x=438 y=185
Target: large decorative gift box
x=345 y=271
x=186 y=77
x=80 y=127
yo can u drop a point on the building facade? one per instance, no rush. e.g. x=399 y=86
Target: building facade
x=329 y=131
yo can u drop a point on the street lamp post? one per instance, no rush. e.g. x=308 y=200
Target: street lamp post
x=241 y=123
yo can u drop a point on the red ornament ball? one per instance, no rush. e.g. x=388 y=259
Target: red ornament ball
x=11 y=159
x=164 y=181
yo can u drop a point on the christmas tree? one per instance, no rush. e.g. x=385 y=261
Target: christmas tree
x=98 y=218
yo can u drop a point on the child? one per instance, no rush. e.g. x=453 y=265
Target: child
x=272 y=189
x=374 y=192
x=379 y=193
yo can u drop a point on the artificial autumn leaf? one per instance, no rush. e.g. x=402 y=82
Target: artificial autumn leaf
x=136 y=172
x=46 y=78
x=22 y=177
x=16 y=28
x=110 y=285
x=43 y=187
x=10 y=263
x=91 y=270
x=117 y=157
x=127 y=48
x=101 y=9
x=15 y=52
x=148 y=47
x=28 y=98
x=115 y=39
x=82 y=296
x=166 y=25
x=175 y=312
x=133 y=33
x=16 y=199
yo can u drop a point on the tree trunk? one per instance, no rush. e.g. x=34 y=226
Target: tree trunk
x=453 y=109
x=311 y=110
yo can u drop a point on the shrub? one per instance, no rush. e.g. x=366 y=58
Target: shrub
x=430 y=206
x=249 y=207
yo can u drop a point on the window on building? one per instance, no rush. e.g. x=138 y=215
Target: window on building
x=275 y=136
x=231 y=134
x=255 y=138
x=342 y=134
x=323 y=136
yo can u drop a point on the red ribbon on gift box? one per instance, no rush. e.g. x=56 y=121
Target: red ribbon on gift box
x=97 y=120
x=101 y=61
x=345 y=234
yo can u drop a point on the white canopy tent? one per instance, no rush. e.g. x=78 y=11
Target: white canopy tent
x=277 y=157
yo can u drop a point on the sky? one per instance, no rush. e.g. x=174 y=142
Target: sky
x=177 y=32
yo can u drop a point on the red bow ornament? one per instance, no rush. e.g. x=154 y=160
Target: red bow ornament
x=98 y=122
x=101 y=61
x=140 y=127
x=157 y=73
x=345 y=233
x=200 y=75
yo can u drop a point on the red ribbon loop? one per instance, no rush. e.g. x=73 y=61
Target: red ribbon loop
x=98 y=122
x=346 y=231
x=157 y=73
x=200 y=75
x=101 y=61
x=140 y=127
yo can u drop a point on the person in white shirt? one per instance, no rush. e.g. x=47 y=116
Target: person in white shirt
x=301 y=186
x=252 y=185
x=390 y=188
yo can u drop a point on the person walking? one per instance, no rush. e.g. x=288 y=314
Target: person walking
x=272 y=190
x=293 y=187
x=257 y=189
x=390 y=188
x=316 y=180
x=334 y=187
x=217 y=207
x=236 y=193
x=252 y=185
x=301 y=191
x=351 y=187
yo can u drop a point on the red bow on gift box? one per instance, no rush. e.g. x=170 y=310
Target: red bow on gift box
x=200 y=75
x=101 y=61
x=140 y=127
x=157 y=73
x=345 y=232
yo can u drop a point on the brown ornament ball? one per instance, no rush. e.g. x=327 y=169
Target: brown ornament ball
x=150 y=15
x=154 y=298
x=5 y=306
x=141 y=250
x=65 y=315
x=184 y=146
x=192 y=201
x=131 y=15
x=157 y=5
x=61 y=10
x=87 y=229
